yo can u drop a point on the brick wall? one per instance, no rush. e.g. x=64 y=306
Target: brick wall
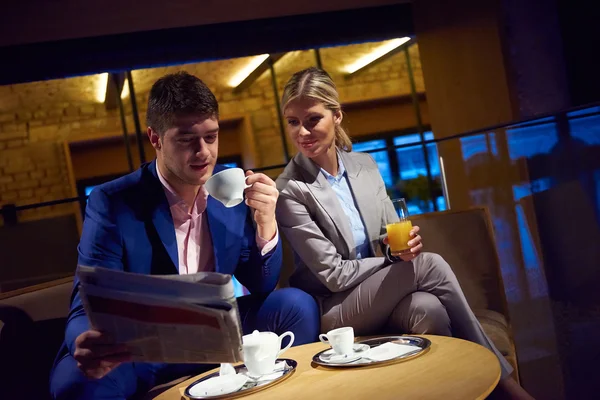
x=37 y=118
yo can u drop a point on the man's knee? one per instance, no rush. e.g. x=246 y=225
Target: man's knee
x=67 y=382
x=299 y=312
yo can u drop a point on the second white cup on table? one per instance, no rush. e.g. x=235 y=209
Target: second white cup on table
x=341 y=340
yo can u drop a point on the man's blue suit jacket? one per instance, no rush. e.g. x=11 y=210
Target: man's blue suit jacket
x=128 y=227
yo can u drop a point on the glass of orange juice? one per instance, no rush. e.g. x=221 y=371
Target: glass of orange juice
x=399 y=232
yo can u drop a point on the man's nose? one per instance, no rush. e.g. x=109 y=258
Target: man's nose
x=201 y=149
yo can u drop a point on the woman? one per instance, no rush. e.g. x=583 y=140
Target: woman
x=333 y=208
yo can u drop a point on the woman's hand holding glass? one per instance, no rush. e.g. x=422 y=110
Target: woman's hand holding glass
x=403 y=238
x=415 y=245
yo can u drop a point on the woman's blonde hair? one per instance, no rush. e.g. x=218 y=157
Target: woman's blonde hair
x=316 y=84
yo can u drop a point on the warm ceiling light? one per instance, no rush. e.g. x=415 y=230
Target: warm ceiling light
x=378 y=52
x=125 y=90
x=247 y=70
x=101 y=87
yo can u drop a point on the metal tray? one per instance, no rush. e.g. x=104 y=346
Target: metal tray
x=251 y=386
x=421 y=347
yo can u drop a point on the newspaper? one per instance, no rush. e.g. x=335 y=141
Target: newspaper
x=165 y=318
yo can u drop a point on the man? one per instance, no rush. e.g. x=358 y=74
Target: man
x=160 y=220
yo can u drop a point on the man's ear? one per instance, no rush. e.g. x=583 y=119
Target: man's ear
x=154 y=138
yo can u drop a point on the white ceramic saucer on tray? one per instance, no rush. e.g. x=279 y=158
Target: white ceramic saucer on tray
x=219 y=385
x=238 y=383
x=330 y=356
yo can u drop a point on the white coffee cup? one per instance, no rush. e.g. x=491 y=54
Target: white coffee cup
x=341 y=340
x=261 y=350
x=228 y=186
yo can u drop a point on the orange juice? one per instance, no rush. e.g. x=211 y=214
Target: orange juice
x=399 y=236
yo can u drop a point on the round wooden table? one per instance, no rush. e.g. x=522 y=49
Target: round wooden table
x=451 y=369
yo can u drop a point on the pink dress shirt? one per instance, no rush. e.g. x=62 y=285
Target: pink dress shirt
x=194 y=243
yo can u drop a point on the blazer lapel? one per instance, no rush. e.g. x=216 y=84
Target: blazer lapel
x=162 y=219
x=218 y=230
x=361 y=185
x=324 y=194
x=163 y=222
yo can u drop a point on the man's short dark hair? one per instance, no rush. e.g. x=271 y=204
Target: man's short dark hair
x=176 y=95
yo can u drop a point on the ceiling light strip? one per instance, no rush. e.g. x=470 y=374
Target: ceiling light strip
x=376 y=54
x=125 y=90
x=101 y=87
x=242 y=74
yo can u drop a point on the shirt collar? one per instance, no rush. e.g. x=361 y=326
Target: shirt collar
x=176 y=201
x=341 y=170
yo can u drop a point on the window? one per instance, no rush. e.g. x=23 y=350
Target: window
x=88 y=190
x=404 y=170
x=85 y=187
x=586 y=129
x=381 y=157
x=231 y=161
x=412 y=159
x=531 y=140
x=474 y=145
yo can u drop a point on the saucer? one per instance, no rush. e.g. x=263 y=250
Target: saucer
x=219 y=385
x=280 y=369
x=330 y=356
x=215 y=386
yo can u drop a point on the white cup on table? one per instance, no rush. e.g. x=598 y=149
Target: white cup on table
x=340 y=339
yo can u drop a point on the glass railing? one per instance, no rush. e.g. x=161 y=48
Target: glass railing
x=511 y=169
